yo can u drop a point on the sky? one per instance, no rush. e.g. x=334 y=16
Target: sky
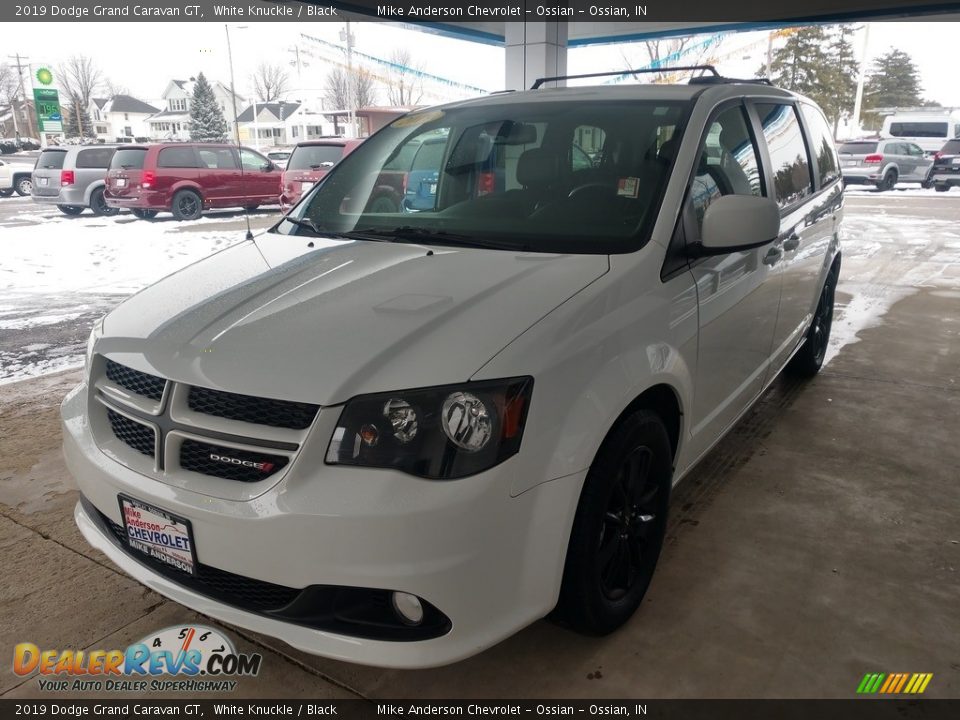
x=144 y=57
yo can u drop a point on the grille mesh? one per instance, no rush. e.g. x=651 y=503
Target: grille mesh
x=139 y=383
x=261 y=411
x=196 y=456
x=140 y=437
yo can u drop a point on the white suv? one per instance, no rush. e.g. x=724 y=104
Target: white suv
x=397 y=438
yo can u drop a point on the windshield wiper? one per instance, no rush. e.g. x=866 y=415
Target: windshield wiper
x=440 y=237
x=305 y=223
x=308 y=223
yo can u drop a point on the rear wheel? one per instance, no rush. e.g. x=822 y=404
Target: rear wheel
x=187 y=205
x=23 y=186
x=99 y=204
x=71 y=210
x=6 y=193
x=619 y=527
x=144 y=214
x=888 y=182
x=383 y=204
x=941 y=188
x=251 y=208
x=809 y=359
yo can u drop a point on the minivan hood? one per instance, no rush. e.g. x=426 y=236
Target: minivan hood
x=275 y=318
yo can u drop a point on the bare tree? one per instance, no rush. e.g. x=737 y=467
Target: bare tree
x=270 y=82
x=664 y=52
x=114 y=88
x=8 y=84
x=336 y=91
x=80 y=78
x=404 y=86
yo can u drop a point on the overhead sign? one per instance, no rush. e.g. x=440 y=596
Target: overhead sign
x=49 y=115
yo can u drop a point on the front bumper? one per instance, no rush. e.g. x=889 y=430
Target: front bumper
x=490 y=563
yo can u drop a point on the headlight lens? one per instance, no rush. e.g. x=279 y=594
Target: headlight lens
x=95 y=332
x=439 y=433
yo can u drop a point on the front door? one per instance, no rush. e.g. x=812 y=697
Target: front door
x=737 y=293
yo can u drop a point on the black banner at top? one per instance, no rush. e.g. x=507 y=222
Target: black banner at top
x=466 y=11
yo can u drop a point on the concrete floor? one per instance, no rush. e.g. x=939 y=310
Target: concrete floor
x=819 y=541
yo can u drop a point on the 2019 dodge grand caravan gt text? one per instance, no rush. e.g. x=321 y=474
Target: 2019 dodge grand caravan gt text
x=397 y=438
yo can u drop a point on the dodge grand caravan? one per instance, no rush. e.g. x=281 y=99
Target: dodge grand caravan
x=188 y=178
x=397 y=438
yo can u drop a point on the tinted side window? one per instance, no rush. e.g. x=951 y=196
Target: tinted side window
x=788 y=152
x=252 y=160
x=728 y=163
x=827 y=165
x=177 y=157
x=218 y=159
x=95 y=158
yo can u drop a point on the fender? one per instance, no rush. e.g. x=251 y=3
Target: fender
x=185 y=185
x=88 y=194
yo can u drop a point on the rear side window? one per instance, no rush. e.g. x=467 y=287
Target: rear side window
x=177 y=157
x=51 y=159
x=788 y=152
x=128 y=159
x=919 y=129
x=315 y=157
x=727 y=164
x=822 y=138
x=95 y=158
x=218 y=158
x=858 y=148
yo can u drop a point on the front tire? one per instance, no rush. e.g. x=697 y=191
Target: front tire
x=99 y=204
x=24 y=186
x=809 y=358
x=187 y=205
x=71 y=210
x=6 y=193
x=619 y=527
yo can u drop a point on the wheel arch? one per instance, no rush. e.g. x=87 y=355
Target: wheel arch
x=88 y=195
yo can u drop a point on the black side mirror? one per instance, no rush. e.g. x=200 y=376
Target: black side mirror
x=268 y=166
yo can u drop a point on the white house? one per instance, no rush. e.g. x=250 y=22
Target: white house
x=282 y=123
x=173 y=121
x=121 y=118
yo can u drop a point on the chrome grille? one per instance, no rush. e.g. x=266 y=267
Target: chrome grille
x=247 y=408
x=139 y=383
x=140 y=437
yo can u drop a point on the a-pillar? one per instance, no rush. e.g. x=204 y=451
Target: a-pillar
x=535 y=50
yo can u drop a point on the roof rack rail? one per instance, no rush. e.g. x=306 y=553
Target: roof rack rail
x=720 y=80
x=676 y=68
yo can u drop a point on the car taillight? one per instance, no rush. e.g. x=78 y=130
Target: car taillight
x=873 y=159
x=66 y=178
x=148 y=179
x=937 y=155
x=486 y=183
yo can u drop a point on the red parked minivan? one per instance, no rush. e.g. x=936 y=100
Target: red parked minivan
x=188 y=178
x=310 y=161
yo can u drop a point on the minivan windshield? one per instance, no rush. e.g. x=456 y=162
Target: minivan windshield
x=547 y=176
x=314 y=157
x=128 y=159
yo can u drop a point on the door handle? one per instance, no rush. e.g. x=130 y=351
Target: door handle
x=792 y=242
x=772 y=257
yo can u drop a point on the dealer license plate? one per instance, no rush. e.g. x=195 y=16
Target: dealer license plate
x=849 y=163
x=121 y=182
x=159 y=534
x=304 y=186
x=43 y=181
x=956 y=161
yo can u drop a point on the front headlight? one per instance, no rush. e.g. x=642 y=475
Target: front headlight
x=439 y=433
x=95 y=333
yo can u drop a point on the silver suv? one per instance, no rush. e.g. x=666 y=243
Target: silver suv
x=72 y=178
x=883 y=163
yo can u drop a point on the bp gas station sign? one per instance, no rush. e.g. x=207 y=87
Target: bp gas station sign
x=49 y=115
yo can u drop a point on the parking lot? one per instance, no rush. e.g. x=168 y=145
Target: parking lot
x=817 y=542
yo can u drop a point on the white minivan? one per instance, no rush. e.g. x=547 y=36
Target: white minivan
x=929 y=130
x=397 y=438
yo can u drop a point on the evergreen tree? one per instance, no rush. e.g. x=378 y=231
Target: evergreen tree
x=207 y=123
x=893 y=81
x=76 y=120
x=818 y=61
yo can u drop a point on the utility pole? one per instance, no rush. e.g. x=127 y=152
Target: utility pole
x=233 y=93
x=351 y=95
x=861 y=80
x=23 y=93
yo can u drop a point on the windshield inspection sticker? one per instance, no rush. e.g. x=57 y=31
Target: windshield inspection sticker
x=628 y=187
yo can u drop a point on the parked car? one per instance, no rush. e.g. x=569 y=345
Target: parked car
x=397 y=438
x=946 y=166
x=308 y=163
x=8 y=146
x=929 y=129
x=188 y=178
x=6 y=179
x=883 y=163
x=72 y=178
x=279 y=158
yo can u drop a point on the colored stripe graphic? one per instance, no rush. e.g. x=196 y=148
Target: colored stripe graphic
x=894 y=683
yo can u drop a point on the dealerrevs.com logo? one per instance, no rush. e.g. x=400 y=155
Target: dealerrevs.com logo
x=199 y=658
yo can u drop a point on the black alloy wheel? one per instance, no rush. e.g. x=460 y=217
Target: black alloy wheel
x=98 y=203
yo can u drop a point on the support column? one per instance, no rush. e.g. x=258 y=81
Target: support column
x=534 y=50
